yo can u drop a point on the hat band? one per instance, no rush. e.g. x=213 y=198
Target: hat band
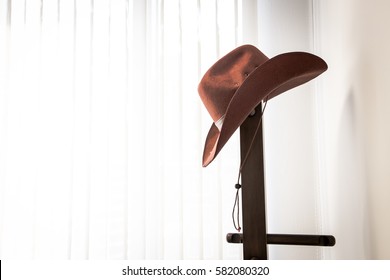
x=219 y=122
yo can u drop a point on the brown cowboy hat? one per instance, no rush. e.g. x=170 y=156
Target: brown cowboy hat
x=233 y=87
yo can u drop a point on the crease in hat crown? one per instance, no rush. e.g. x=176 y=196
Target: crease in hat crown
x=240 y=80
x=222 y=80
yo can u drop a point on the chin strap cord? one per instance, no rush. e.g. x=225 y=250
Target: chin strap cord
x=238 y=185
x=237 y=205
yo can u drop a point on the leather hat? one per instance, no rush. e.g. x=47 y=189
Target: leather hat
x=236 y=84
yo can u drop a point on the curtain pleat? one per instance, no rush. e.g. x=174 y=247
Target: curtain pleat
x=102 y=130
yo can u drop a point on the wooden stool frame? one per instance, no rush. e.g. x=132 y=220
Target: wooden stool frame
x=254 y=237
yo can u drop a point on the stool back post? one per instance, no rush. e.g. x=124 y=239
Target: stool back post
x=253 y=189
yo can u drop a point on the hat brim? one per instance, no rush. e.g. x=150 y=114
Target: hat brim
x=275 y=76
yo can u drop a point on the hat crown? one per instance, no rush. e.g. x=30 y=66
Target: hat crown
x=222 y=80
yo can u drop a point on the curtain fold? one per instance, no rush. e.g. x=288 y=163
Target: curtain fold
x=102 y=130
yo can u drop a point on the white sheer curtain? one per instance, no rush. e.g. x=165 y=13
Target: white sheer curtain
x=102 y=129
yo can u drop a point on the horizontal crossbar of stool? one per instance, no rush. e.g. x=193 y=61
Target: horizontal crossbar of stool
x=289 y=239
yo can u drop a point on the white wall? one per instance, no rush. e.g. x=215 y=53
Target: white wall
x=354 y=39
x=340 y=121
x=327 y=142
